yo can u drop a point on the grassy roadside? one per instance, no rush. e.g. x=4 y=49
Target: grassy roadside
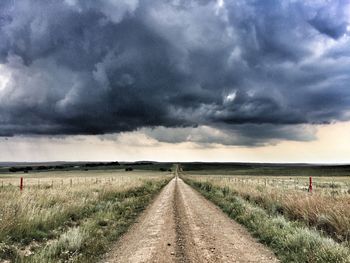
x=70 y=233
x=322 y=210
x=291 y=241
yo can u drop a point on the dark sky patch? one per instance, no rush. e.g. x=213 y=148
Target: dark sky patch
x=96 y=67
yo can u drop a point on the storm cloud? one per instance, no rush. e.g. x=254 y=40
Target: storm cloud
x=229 y=72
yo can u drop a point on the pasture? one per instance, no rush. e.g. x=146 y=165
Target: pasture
x=76 y=214
x=281 y=192
x=70 y=216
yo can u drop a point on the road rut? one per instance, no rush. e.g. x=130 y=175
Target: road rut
x=181 y=226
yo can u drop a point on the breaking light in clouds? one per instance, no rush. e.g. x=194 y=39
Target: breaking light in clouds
x=239 y=73
x=330 y=147
x=4 y=78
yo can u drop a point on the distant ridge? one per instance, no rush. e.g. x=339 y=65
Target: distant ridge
x=7 y=164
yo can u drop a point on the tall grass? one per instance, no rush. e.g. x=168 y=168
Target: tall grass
x=48 y=224
x=291 y=241
x=322 y=210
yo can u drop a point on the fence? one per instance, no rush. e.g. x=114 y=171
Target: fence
x=23 y=183
x=306 y=184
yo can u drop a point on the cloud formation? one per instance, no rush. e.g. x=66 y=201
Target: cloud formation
x=249 y=72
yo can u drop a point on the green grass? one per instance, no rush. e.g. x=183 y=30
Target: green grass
x=291 y=241
x=69 y=167
x=256 y=169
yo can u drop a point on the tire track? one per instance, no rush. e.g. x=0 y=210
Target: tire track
x=181 y=245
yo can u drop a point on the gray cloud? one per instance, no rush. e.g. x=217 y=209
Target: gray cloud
x=239 y=135
x=332 y=19
x=255 y=71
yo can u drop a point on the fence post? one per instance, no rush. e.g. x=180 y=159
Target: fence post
x=310 y=184
x=21 y=184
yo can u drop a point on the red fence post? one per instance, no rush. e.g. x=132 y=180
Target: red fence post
x=21 y=184
x=310 y=184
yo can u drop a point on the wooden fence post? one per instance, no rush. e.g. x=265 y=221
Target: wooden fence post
x=21 y=184
x=310 y=184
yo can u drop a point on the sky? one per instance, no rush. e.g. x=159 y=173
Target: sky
x=175 y=80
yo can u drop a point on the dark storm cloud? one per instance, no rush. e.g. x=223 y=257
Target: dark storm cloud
x=332 y=19
x=255 y=70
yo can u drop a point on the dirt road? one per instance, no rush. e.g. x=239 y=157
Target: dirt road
x=182 y=226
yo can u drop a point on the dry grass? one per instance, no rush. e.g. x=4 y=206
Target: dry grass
x=324 y=209
x=54 y=214
x=291 y=241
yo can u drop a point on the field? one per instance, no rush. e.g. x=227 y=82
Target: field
x=70 y=216
x=279 y=196
x=81 y=213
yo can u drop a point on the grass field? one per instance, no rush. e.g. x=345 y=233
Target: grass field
x=5 y=168
x=270 y=170
x=70 y=216
x=75 y=215
x=277 y=208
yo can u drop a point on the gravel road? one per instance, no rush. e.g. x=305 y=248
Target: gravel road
x=182 y=226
